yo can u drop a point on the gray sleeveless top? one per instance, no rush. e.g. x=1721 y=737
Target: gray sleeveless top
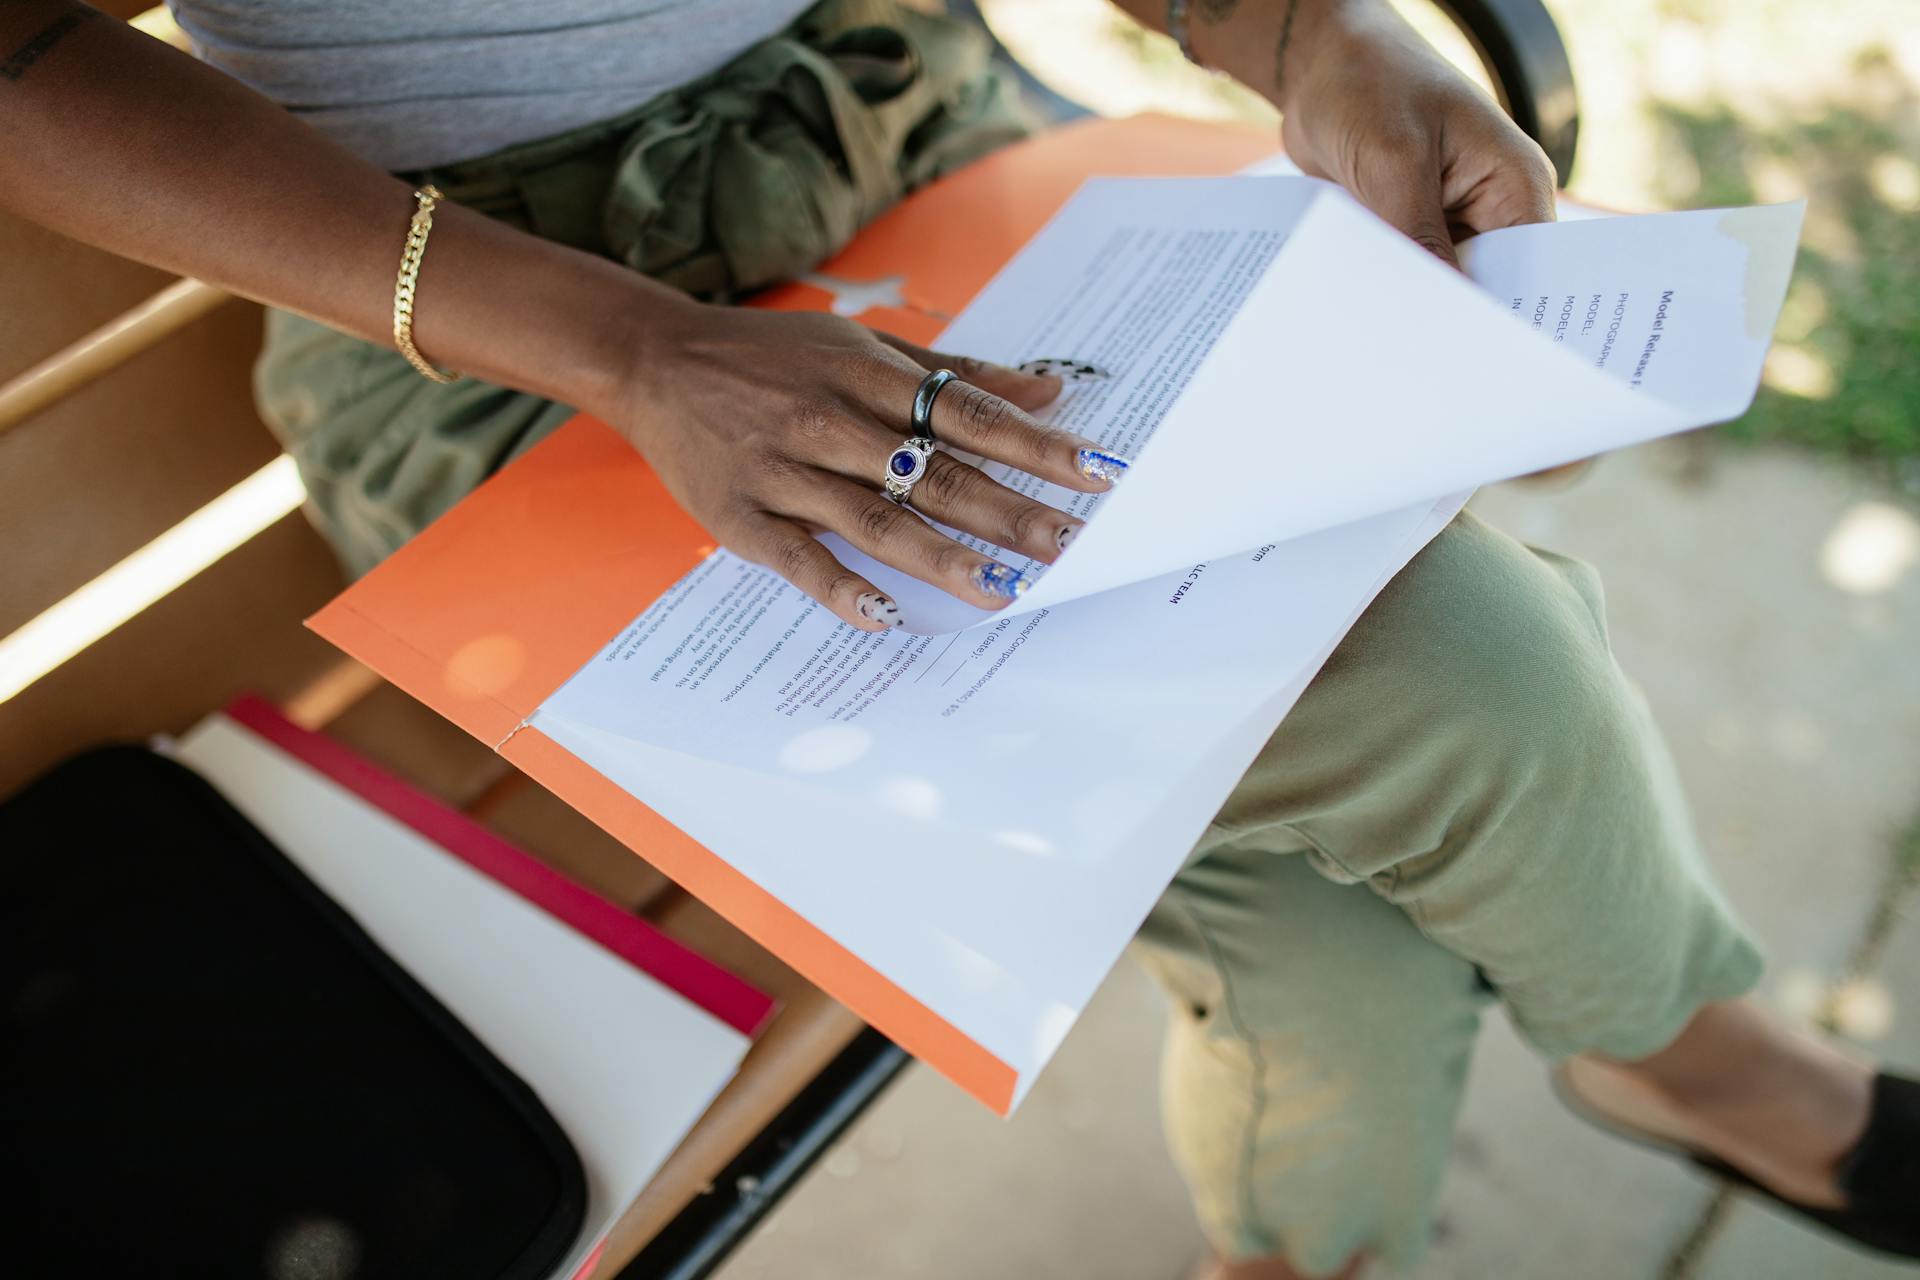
x=410 y=84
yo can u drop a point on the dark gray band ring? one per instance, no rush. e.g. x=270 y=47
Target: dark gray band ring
x=923 y=401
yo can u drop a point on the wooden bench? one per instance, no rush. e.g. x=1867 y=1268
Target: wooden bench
x=133 y=469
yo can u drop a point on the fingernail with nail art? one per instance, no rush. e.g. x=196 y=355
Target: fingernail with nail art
x=1098 y=464
x=875 y=607
x=1067 y=534
x=1065 y=370
x=996 y=579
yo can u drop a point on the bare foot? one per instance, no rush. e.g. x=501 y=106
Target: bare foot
x=1780 y=1105
x=1267 y=1269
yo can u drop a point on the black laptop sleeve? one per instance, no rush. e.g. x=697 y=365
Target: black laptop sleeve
x=207 y=1069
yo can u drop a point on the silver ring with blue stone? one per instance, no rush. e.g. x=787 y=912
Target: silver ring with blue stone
x=923 y=401
x=905 y=466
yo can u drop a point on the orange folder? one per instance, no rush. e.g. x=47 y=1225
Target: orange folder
x=492 y=608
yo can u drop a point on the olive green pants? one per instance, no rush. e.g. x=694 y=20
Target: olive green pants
x=1470 y=801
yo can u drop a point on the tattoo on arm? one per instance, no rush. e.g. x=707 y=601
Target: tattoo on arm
x=17 y=63
x=1280 y=48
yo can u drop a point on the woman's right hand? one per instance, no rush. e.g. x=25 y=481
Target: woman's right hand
x=769 y=427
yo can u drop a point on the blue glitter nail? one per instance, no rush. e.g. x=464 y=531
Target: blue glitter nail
x=996 y=579
x=1098 y=464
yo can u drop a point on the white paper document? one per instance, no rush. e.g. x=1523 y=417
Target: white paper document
x=983 y=807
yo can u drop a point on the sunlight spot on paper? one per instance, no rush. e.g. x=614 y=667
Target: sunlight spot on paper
x=96 y=609
x=822 y=750
x=1799 y=371
x=971 y=969
x=914 y=797
x=1871 y=548
x=486 y=665
x=1026 y=842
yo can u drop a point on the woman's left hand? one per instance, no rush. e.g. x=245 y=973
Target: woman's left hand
x=1371 y=105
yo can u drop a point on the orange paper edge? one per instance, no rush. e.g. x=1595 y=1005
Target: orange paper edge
x=493 y=607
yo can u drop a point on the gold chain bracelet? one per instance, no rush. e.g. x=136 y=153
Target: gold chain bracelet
x=409 y=284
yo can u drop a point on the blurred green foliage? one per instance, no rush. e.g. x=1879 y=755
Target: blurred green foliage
x=1856 y=291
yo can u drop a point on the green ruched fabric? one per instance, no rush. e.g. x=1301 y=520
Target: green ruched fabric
x=739 y=180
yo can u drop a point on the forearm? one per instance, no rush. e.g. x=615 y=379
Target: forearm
x=117 y=140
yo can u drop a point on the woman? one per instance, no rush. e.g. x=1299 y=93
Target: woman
x=610 y=171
